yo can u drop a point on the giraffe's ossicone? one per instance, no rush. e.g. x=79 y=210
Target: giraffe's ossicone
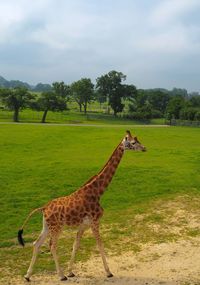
x=81 y=208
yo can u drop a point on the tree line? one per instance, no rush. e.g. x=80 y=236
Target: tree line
x=175 y=104
x=140 y=104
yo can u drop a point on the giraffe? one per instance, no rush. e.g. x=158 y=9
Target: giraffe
x=82 y=208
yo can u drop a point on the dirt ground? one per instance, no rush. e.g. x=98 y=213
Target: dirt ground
x=166 y=263
x=162 y=264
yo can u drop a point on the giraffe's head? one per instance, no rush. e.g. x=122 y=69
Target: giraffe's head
x=132 y=143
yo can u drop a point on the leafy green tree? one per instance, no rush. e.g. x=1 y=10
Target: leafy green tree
x=142 y=98
x=174 y=106
x=130 y=91
x=179 y=92
x=15 y=99
x=143 y=113
x=195 y=101
x=159 y=99
x=101 y=98
x=50 y=101
x=115 y=101
x=197 y=116
x=110 y=85
x=188 y=113
x=83 y=92
x=61 y=89
x=139 y=104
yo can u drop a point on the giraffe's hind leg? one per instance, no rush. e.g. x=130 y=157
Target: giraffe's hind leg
x=36 y=247
x=76 y=245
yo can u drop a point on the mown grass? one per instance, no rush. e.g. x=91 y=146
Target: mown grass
x=40 y=162
x=73 y=116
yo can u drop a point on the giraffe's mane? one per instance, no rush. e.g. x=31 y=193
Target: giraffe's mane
x=93 y=177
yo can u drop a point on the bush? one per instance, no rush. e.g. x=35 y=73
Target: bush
x=144 y=113
x=188 y=114
x=197 y=116
x=156 y=114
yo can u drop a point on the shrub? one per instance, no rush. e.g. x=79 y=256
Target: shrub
x=197 y=116
x=188 y=113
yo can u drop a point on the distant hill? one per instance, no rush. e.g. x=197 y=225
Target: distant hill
x=3 y=82
x=40 y=87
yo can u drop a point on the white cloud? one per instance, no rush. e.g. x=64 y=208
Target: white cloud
x=63 y=31
x=170 y=29
x=16 y=15
x=9 y=17
x=168 y=12
x=176 y=40
x=49 y=39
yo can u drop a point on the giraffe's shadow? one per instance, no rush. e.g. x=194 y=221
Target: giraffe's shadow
x=91 y=280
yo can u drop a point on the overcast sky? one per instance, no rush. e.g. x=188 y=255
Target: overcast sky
x=156 y=43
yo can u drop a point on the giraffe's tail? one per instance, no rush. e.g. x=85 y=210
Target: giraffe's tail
x=20 y=232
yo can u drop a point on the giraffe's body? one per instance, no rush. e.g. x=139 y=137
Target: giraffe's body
x=83 y=204
x=81 y=208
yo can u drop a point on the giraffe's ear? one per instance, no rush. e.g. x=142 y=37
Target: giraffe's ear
x=136 y=139
x=129 y=134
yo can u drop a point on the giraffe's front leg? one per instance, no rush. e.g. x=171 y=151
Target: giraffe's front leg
x=95 y=230
x=76 y=245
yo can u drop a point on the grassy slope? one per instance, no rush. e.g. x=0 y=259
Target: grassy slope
x=39 y=163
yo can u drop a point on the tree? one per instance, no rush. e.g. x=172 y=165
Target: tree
x=101 y=98
x=130 y=92
x=109 y=85
x=197 y=116
x=82 y=91
x=159 y=99
x=188 y=113
x=174 y=106
x=142 y=98
x=16 y=99
x=179 y=92
x=195 y=101
x=50 y=101
x=61 y=89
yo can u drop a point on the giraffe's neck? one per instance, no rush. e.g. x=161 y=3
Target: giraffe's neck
x=100 y=181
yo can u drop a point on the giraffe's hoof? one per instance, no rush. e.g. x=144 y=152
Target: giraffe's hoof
x=110 y=275
x=63 y=279
x=71 y=274
x=27 y=279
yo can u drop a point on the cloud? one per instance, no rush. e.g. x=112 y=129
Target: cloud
x=48 y=40
x=168 y=12
x=171 y=28
x=176 y=40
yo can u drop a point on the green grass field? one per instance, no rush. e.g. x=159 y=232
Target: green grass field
x=73 y=116
x=42 y=162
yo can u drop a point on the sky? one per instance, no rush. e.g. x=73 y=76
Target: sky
x=155 y=43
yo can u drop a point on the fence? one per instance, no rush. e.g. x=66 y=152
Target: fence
x=183 y=123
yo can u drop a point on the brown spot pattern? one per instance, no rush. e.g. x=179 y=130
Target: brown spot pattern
x=72 y=209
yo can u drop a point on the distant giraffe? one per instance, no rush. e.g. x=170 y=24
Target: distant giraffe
x=81 y=208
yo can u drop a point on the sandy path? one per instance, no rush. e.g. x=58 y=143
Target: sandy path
x=85 y=125
x=166 y=263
